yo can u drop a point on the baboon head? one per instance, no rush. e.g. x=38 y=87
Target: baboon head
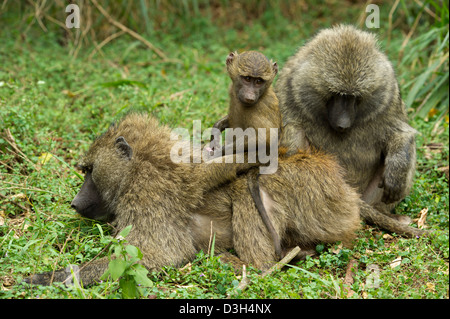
x=89 y=202
x=252 y=73
x=129 y=169
x=342 y=78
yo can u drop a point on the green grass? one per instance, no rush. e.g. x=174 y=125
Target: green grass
x=51 y=103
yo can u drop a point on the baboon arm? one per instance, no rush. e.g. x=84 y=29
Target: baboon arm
x=400 y=158
x=86 y=274
x=293 y=138
x=221 y=125
x=223 y=170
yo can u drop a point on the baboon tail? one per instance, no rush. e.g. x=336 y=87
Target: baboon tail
x=253 y=186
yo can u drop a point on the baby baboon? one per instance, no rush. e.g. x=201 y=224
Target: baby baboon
x=253 y=103
x=131 y=180
x=339 y=94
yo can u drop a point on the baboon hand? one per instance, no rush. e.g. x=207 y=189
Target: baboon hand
x=392 y=189
x=47 y=278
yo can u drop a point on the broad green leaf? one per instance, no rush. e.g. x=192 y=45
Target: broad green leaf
x=129 y=289
x=117 y=267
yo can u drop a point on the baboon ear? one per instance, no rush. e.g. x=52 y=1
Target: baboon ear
x=230 y=57
x=275 y=67
x=123 y=148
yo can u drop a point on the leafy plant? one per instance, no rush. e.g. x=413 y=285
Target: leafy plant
x=124 y=266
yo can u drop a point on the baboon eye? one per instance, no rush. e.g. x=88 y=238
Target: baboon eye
x=247 y=78
x=259 y=81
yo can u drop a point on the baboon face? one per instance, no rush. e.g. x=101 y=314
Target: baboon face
x=251 y=73
x=341 y=111
x=250 y=89
x=89 y=201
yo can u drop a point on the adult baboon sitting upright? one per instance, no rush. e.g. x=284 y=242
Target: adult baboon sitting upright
x=339 y=94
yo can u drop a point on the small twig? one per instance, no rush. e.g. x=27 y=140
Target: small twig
x=129 y=31
x=427 y=10
x=282 y=262
x=17 y=204
x=349 y=276
x=391 y=13
x=245 y=281
x=104 y=42
x=10 y=140
x=60 y=252
x=408 y=37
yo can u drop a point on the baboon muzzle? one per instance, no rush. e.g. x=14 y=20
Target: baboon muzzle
x=341 y=112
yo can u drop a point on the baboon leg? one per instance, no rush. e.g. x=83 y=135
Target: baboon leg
x=232 y=260
x=373 y=194
x=251 y=240
x=372 y=216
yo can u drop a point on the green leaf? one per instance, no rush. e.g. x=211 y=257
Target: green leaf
x=117 y=267
x=124 y=233
x=129 y=289
x=213 y=244
x=134 y=252
x=120 y=83
x=140 y=276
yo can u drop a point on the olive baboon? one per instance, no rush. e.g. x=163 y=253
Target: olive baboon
x=253 y=103
x=339 y=94
x=131 y=180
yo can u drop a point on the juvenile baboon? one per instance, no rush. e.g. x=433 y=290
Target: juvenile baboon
x=253 y=103
x=339 y=94
x=131 y=180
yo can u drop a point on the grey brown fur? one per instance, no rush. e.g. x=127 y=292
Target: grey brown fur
x=339 y=94
x=253 y=103
x=168 y=203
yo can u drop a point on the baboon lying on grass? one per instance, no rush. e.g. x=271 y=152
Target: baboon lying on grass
x=131 y=180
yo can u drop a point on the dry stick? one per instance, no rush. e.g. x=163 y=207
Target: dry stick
x=104 y=42
x=349 y=277
x=363 y=14
x=11 y=141
x=129 y=31
x=282 y=262
x=391 y=13
x=14 y=203
x=60 y=252
x=408 y=37
x=245 y=282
